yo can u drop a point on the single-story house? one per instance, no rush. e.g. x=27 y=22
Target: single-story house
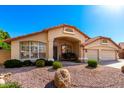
x=52 y=42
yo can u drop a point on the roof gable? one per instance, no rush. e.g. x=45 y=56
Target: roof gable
x=92 y=40
x=46 y=30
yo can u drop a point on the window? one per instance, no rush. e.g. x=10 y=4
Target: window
x=42 y=50
x=104 y=41
x=24 y=50
x=68 y=30
x=32 y=50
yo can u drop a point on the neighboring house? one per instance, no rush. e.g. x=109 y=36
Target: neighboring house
x=4 y=55
x=121 y=52
x=52 y=42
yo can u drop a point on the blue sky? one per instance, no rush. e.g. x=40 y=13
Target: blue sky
x=92 y=20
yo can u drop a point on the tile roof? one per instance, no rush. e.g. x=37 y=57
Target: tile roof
x=45 y=30
x=91 y=40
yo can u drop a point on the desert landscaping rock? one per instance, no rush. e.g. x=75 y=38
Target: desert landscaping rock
x=2 y=81
x=82 y=77
x=62 y=78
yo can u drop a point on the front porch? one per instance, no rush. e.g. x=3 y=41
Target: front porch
x=64 y=46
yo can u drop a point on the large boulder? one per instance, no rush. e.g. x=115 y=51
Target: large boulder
x=62 y=78
x=4 y=78
x=2 y=81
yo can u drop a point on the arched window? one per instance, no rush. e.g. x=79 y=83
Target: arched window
x=32 y=50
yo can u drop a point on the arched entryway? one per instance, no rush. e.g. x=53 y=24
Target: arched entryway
x=65 y=45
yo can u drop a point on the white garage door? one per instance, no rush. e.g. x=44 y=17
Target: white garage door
x=108 y=55
x=92 y=54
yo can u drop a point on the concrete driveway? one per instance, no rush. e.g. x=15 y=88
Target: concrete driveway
x=115 y=64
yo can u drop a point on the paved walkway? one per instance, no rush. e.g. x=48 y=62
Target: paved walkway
x=70 y=63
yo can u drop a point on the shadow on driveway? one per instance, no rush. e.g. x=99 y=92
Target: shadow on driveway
x=109 y=62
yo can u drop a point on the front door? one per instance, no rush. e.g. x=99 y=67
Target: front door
x=55 y=52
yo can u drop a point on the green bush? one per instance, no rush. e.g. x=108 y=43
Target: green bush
x=40 y=63
x=57 y=64
x=48 y=63
x=10 y=85
x=27 y=63
x=13 y=63
x=92 y=63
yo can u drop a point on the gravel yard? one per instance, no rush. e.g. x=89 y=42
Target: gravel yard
x=32 y=77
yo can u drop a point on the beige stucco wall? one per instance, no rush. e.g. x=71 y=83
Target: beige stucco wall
x=15 y=53
x=98 y=45
x=48 y=38
x=74 y=45
x=59 y=43
x=101 y=48
x=60 y=33
x=4 y=55
x=77 y=49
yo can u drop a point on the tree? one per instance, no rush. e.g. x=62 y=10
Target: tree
x=4 y=35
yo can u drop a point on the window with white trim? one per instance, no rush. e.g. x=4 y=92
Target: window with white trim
x=32 y=50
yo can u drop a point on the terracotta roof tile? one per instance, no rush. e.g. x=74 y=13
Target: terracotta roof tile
x=89 y=41
x=45 y=30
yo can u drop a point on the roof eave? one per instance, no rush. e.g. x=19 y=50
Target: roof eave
x=45 y=30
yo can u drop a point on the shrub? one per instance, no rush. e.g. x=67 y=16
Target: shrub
x=40 y=63
x=13 y=63
x=92 y=63
x=27 y=63
x=10 y=85
x=57 y=65
x=48 y=63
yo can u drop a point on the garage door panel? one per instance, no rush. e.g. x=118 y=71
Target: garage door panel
x=92 y=54
x=108 y=55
